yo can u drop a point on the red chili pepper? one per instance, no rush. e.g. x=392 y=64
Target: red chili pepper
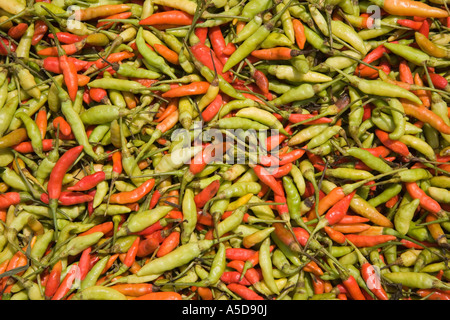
x=106 y=25
x=298 y=117
x=261 y=81
x=415 y=25
x=230 y=48
x=98 y=95
x=113 y=57
x=433 y=294
x=151 y=229
x=88 y=182
x=18 y=31
x=426 y=202
x=405 y=73
x=206 y=194
x=169 y=243
x=131 y=253
x=202 y=34
x=438 y=81
x=412 y=245
x=204 y=157
x=280 y=172
x=193 y=88
x=244 y=292
x=40 y=29
x=372 y=279
x=117 y=163
x=155 y=199
x=67 y=37
x=234 y=277
x=133 y=195
x=147 y=246
x=41 y=122
x=85 y=262
x=9 y=199
x=268 y=179
x=26 y=147
x=213 y=108
x=299 y=31
x=369 y=241
x=70 y=76
x=54 y=280
x=7 y=45
x=379 y=151
x=208 y=57
x=52 y=64
x=62 y=165
x=69 y=49
x=252 y=275
x=335 y=235
x=66 y=284
x=353 y=288
x=174 y=17
x=104 y=227
x=339 y=209
x=218 y=43
x=425 y=28
x=64 y=126
x=374 y=55
x=239 y=253
x=394 y=145
x=316 y=161
x=68 y=198
x=290 y=157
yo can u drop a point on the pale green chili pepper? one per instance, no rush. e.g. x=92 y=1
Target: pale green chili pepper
x=390 y=191
x=265 y=263
x=152 y=57
x=397 y=113
x=93 y=274
x=369 y=159
x=290 y=73
x=177 y=258
x=7 y=113
x=12 y=179
x=101 y=191
x=324 y=136
x=248 y=29
x=349 y=35
x=33 y=132
x=419 y=145
x=101 y=114
x=23 y=48
x=231 y=222
x=143 y=219
x=189 y=215
x=32 y=106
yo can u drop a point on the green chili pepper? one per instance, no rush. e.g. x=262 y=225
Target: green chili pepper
x=151 y=57
x=390 y=191
x=189 y=215
x=252 y=42
x=33 y=132
x=416 y=280
x=7 y=113
x=369 y=159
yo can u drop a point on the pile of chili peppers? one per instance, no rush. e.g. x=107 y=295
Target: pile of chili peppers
x=344 y=188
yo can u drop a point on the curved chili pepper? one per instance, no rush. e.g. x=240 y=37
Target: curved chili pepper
x=57 y=175
x=88 y=182
x=134 y=195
